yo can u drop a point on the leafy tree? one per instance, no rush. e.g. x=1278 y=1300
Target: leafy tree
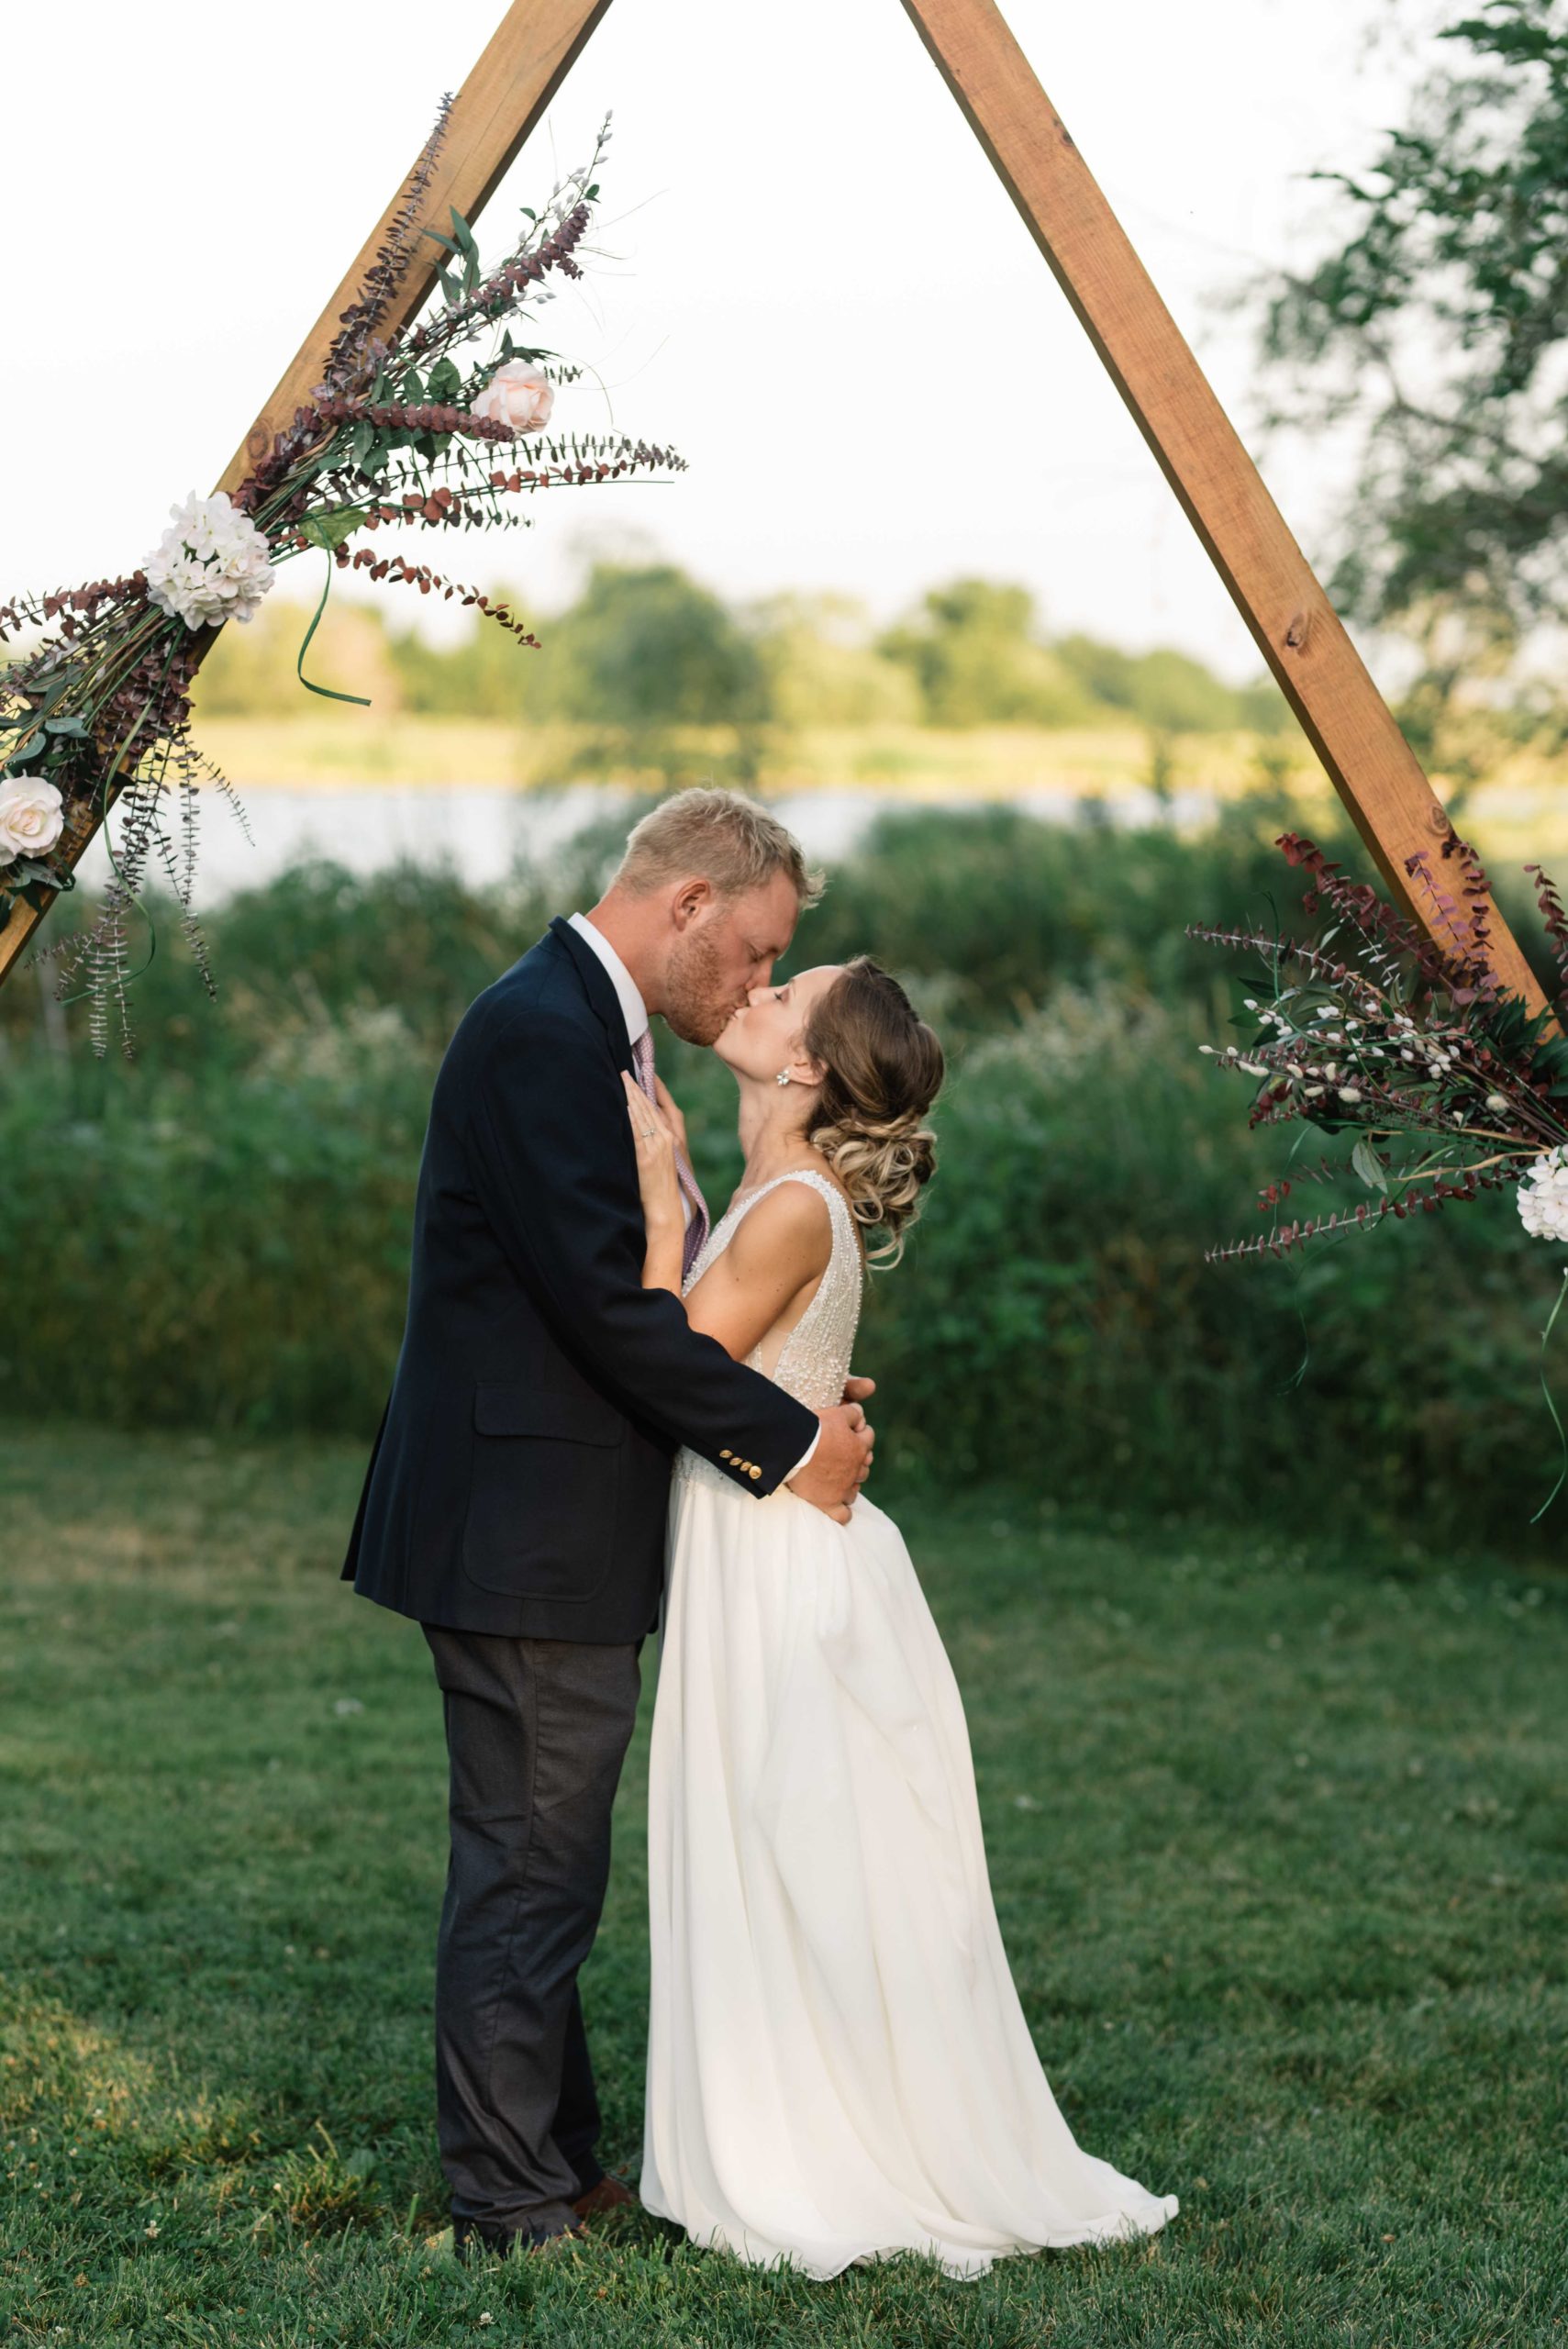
x=975 y=652
x=972 y=649
x=1167 y=691
x=487 y=673
x=644 y=646
x=645 y=654
x=1176 y=694
x=1105 y=671
x=823 y=670
x=1436 y=328
x=1261 y=708
x=252 y=672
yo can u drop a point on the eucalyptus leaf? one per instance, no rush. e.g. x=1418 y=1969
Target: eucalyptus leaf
x=29 y=869
x=463 y=233
x=331 y=528
x=54 y=685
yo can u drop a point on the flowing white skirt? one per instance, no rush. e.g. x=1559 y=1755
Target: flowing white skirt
x=837 y=2063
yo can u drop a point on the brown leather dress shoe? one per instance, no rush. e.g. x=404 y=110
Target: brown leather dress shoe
x=608 y=2194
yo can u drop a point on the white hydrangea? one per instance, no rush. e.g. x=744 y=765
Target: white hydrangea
x=211 y=566
x=1543 y=1196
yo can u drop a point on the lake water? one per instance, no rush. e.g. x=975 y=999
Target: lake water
x=483 y=832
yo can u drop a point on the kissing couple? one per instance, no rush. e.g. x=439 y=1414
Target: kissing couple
x=602 y=1410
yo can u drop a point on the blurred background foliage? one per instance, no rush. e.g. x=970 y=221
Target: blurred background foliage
x=215 y=1236
x=649 y=677
x=1426 y=338
x=644 y=647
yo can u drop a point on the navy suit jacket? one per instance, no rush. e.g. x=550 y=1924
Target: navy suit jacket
x=520 y=1477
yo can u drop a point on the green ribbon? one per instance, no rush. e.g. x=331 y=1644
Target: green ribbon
x=327 y=693
x=1551 y=1406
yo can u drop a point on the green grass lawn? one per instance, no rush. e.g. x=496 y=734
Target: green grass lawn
x=1277 y=1835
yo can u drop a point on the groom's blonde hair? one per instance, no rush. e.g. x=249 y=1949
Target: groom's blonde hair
x=730 y=840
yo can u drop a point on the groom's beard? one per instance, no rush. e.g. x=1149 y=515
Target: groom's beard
x=694 y=1004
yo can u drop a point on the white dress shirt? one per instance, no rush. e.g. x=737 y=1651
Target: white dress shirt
x=634 y=1011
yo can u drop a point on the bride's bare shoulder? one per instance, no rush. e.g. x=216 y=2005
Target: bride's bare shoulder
x=791 y=1222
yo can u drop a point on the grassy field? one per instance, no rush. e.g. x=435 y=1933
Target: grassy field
x=1277 y=1838
x=339 y=748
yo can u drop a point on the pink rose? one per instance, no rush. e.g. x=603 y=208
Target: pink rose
x=32 y=816
x=518 y=395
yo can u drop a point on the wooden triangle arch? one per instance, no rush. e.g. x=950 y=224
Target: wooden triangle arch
x=1344 y=716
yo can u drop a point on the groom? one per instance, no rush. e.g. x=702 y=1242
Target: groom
x=516 y=1499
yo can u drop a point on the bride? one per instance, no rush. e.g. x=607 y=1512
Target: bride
x=837 y=2063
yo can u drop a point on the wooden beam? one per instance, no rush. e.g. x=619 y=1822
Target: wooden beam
x=528 y=58
x=1342 y=712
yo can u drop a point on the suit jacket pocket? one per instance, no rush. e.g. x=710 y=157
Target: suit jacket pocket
x=543 y=1489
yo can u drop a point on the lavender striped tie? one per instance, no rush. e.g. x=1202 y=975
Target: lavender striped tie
x=697 y=1226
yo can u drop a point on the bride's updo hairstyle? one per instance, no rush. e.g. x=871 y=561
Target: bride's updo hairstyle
x=883 y=1071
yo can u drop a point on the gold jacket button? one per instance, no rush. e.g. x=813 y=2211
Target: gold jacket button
x=726 y=1453
x=754 y=1472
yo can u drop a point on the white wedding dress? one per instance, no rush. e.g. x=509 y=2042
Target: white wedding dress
x=837 y=2063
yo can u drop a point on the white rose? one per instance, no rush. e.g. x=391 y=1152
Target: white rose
x=32 y=816
x=517 y=394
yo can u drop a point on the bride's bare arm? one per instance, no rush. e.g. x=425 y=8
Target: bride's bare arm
x=781 y=1246
x=780 y=1250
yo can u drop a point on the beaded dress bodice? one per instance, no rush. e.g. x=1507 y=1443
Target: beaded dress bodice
x=814 y=1360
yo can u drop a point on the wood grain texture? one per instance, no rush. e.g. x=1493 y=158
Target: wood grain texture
x=1221 y=490
x=502 y=99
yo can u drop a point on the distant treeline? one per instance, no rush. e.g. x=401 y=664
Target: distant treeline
x=646 y=646
x=216 y=1236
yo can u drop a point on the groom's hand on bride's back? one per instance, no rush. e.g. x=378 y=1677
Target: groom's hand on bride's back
x=832 y=1478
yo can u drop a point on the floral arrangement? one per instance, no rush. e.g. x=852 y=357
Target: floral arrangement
x=411 y=428
x=1448 y=1083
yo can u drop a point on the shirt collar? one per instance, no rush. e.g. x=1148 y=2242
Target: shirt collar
x=633 y=1009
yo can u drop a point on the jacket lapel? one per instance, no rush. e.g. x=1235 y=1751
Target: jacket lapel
x=598 y=986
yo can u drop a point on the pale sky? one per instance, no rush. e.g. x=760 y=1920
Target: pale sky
x=818 y=289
